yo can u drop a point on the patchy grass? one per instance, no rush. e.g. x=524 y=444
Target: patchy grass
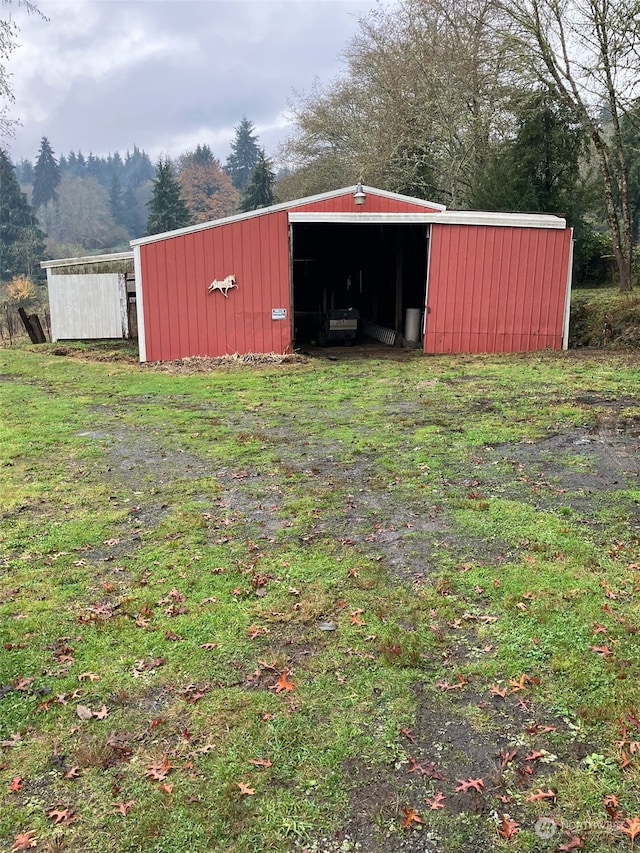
x=286 y=607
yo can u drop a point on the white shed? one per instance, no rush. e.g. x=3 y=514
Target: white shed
x=92 y=297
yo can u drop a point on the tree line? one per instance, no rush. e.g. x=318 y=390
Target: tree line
x=73 y=205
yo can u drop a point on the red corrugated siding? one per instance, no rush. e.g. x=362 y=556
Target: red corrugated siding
x=373 y=204
x=183 y=319
x=496 y=289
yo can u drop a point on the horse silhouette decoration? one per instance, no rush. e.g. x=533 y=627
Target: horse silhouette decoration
x=223 y=286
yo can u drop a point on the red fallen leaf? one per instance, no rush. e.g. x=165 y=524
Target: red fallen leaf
x=266 y=717
x=25 y=840
x=24 y=683
x=260 y=762
x=101 y=714
x=537 y=729
x=508 y=828
x=284 y=686
x=168 y=789
x=534 y=756
x=408 y=733
x=410 y=817
x=174 y=638
x=72 y=773
x=541 y=795
x=355 y=618
x=506 y=757
x=575 y=842
x=631 y=827
x=245 y=790
x=465 y=786
x=625 y=761
x=611 y=806
x=437 y=802
x=125 y=808
x=62 y=816
x=425 y=769
x=255 y=631
x=504 y=799
x=15 y=784
x=209 y=647
x=159 y=770
x=599 y=629
x=603 y=651
x=496 y=691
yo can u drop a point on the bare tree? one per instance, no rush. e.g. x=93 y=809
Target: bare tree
x=8 y=43
x=586 y=52
x=421 y=98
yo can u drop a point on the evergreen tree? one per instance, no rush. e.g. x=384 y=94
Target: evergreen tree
x=167 y=208
x=46 y=175
x=245 y=152
x=21 y=241
x=116 y=201
x=259 y=190
x=24 y=171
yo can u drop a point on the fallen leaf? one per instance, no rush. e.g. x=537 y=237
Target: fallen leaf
x=462 y=681
x=88 y=676
x=260 y=762
x=611 y=806
x=355 y=618
x=437 y=802
x=631 y=827
x=534 y=756
x=411 y=817
x=408 y=733
x=159 y=770
x=209 y=647
x=15 y=784
x=541 y=795
x=470 y=784
x=575 y=842
x=508 y=828
x=25 y=840
x=24 y=683
x=245 y=790
x=72 y=773
x=62 y=816
x=166 y=787
x=125 y=808
x=84 y=713
x=603 y=651
x=101 y=714
x=282 y=685
x=497 y=691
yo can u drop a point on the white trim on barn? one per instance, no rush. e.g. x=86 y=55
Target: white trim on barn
x=86 y=261
x=449 y=217
x=142 y=343
x=567 y=298
x=275 y=208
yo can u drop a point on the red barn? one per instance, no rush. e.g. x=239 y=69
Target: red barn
x=262 y=281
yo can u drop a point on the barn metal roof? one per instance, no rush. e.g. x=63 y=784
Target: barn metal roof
x=287 y=205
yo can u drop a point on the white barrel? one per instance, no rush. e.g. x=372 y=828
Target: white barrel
x=412 y=324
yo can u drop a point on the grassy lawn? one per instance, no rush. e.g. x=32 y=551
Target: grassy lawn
x=365 y=604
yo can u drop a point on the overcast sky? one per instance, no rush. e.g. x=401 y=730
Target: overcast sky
x=102 y=75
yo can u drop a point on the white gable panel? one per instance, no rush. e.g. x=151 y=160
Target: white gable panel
x=87 y=306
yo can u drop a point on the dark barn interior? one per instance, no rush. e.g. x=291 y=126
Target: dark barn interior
x=378 y=269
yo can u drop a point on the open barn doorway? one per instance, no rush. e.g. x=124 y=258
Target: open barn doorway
x=370 y=274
